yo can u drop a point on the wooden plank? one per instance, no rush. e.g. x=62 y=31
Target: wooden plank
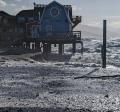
x=88 y=74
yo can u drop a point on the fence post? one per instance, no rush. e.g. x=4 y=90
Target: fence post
x=104 y=44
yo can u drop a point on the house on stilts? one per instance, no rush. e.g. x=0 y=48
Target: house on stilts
x=46 y=25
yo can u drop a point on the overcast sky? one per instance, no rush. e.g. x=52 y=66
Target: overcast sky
x=93 y=11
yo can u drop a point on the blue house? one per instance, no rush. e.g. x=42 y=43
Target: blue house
x=49 y=24
x=46 y=24
x=55 y=20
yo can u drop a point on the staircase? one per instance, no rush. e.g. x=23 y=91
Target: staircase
x=76 y=20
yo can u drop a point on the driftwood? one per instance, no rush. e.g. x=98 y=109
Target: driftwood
x=97 y=77
x=86 y=75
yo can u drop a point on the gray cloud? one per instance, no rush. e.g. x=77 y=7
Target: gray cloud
x=18 y=0
x=2 y=3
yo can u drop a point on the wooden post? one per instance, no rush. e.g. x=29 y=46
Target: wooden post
x=24 y=45
x=37 y=45
x=74 y=48
x=28 y=45
x=82 y=48
x=49 y=48
x=61 y=49
x=104 y=44
x=55 y=45
x=45 y=51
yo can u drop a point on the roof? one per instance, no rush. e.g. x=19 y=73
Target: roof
x=64 y=6
x=43 y=5
x=27 y=13
x=5 y=14
x=39 y=5
x=8 y=16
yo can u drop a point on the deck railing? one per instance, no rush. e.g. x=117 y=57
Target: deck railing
x=76 y=20
x=74 y=35
x=56 y=35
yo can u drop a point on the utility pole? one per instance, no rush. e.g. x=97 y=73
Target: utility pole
x=104 y=44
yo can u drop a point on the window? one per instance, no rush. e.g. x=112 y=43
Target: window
x=21 y=19
x=54 y=11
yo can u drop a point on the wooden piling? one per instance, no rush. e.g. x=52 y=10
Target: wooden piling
x=104 y=44
x=37 y=45
x=24 y=45
x=74 y=48
x=82 y=48
x=28 y=45
x=45 y=49
x=49 y=47
x=55 y=45
x=61 y=49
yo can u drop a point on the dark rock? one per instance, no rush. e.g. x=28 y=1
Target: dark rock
x=106 y=96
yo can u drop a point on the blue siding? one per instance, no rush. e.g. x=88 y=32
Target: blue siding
x=59 y=24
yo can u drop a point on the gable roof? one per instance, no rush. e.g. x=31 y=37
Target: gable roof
x=55 y=2
x=8 y=16
x=2 y=13
x=27 y=13
x=59 y=5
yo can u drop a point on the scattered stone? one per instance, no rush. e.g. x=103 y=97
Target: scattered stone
x=106 y=96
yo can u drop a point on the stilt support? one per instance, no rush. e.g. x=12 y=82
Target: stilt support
x=49 y=47
x=24 y=44
x=82 y=48
x=74 y=48
x=28 y=45
x=61 y=49
x=37 y=45
x=45 y=48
